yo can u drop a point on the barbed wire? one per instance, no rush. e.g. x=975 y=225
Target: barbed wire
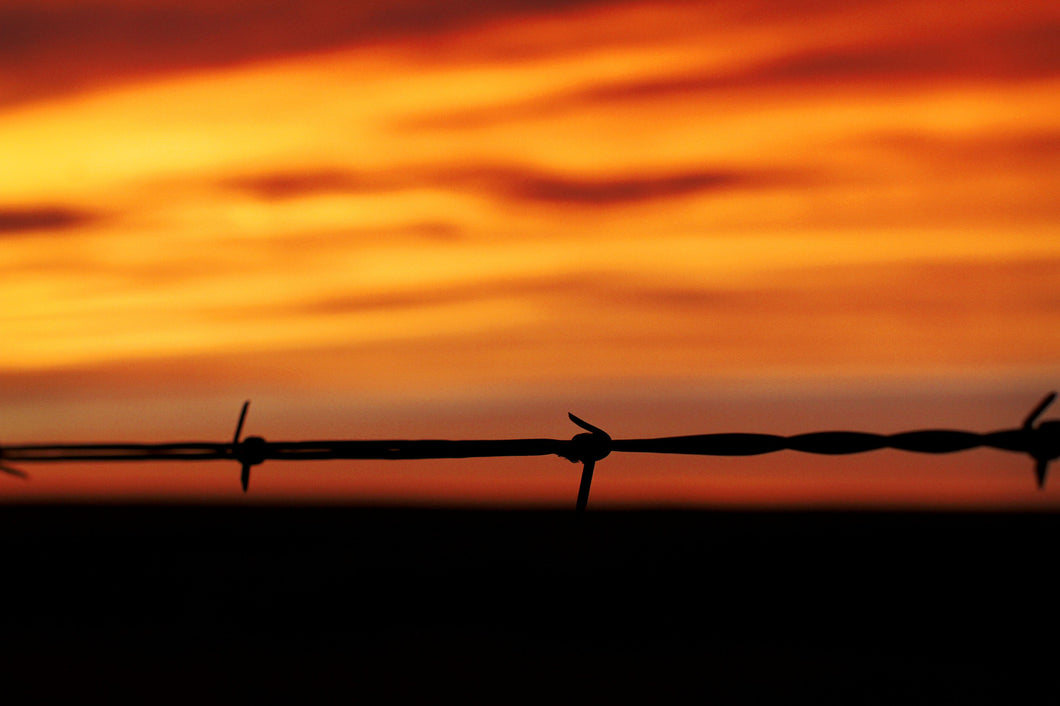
x=1039 y=440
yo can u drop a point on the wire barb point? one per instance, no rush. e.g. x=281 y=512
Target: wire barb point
x=1043 y=444
x=10 y=470
x=1028 y=423
x=14 y=472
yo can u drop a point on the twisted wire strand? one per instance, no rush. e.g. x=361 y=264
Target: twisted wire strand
x=832 y=443
x=932 y=441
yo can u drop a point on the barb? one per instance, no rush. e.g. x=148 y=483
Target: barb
x=587 y=449
x=1039 y=440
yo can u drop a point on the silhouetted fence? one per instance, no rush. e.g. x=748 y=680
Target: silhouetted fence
x=1039 y=440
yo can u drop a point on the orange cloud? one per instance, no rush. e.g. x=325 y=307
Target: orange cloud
x=16 y=221
x=504 y=182
x=117 y=41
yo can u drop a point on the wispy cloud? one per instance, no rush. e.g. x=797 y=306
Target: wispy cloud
x=1035 y=148
x=18 y=221
x=511 y=183
x=291 y=184
x=607 y=325
x=116 y=41
x=1018 y=50
x=524 y=185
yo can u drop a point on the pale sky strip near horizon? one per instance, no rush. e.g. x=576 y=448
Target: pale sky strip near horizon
x=517 y=199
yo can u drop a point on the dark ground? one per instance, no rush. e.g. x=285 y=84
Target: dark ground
x=218 y=604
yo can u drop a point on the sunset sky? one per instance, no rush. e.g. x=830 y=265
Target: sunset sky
x=463 y=219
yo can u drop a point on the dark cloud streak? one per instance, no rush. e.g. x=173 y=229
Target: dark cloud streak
x=514 y=184
x=624 y=189
x=1014 y=52
x=50 y=48
x=21 y=221
x=1039 y=148
x=277 y=186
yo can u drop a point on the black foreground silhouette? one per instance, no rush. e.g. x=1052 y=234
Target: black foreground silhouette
x=1039 y=440
x=225 y=603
